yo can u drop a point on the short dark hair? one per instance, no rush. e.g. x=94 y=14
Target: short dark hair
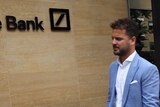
x=126 y=24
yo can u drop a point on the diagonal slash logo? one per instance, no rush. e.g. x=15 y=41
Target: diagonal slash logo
x=59 y=19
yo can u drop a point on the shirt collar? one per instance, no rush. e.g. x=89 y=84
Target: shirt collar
x=129 y=59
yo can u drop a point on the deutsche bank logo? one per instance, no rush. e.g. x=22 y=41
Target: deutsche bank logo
x=59 y=19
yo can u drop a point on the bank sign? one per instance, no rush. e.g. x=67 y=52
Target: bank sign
x=36 y=24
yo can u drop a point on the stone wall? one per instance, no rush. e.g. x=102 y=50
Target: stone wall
x=57 y=68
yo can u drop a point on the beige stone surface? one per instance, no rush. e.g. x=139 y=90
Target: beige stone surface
x=57 y=69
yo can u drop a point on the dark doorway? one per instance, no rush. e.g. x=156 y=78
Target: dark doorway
x=156 y=30
x=147 y=15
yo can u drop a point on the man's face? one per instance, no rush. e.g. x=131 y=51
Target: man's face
x=121 y=42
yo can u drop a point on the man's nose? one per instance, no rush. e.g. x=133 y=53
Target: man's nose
x=114 y=41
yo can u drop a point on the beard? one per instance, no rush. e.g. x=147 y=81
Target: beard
x=120 y=51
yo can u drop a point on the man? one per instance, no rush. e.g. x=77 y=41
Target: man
x=134 y=82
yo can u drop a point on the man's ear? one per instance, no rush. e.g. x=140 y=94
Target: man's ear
x=133 y=40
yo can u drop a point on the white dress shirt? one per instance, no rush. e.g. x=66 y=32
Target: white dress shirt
x=121 y=78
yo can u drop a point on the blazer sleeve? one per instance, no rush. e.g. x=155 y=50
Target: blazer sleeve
x=150 y=87
x=109 y=90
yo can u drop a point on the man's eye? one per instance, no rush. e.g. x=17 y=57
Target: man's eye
x=118 y=39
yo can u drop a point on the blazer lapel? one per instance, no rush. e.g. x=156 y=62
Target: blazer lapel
x=132 y=70
x=113 y=76
x=115 y=69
